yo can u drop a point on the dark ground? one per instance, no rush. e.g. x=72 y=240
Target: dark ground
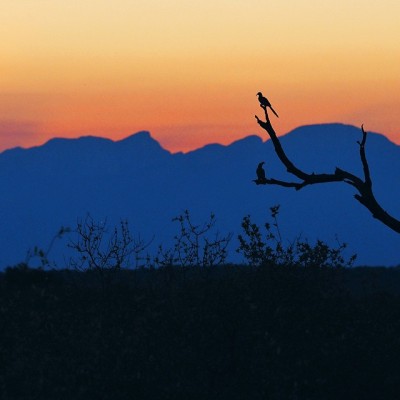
x=227 y=333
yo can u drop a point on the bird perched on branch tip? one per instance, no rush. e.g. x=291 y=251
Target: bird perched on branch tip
x=261 y=178
x=264 y=103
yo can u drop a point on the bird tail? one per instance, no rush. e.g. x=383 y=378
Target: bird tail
x=274 y=111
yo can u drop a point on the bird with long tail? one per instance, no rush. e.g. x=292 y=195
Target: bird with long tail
x=264 y=103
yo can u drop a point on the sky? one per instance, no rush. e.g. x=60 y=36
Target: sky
x=189 y=71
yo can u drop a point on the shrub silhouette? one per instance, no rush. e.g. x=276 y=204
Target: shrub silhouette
x=271 y=250
x=194 y=245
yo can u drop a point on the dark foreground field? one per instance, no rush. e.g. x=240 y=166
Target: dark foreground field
x=227 y=333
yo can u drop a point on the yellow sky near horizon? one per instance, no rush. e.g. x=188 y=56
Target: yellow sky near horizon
x=189 y=71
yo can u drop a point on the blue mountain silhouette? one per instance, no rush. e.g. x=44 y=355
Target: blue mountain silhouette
x=49 y=186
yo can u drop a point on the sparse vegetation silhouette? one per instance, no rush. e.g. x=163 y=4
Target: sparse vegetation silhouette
x=103 y=251
x=270 y=250
x=194 y=245
x=43 y=255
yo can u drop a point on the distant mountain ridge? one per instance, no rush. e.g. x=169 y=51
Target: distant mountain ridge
x=48 y=186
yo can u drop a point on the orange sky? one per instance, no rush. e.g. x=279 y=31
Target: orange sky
x=189 y=71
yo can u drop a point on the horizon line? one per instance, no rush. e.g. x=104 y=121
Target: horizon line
x=144 y=131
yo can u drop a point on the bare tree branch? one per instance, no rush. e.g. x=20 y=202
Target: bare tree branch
x=363 y=157
x=364 y=187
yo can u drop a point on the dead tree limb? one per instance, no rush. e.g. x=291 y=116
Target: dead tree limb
x=363 y=186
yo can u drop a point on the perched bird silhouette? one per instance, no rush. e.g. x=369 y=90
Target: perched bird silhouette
x=261 y=178
x=264 y=103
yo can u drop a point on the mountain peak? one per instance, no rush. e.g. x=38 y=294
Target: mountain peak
x=141 y=142
x=335 y=128
x=244 y=144
x=333 y=134
x=140 y=136
x=252 y=140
